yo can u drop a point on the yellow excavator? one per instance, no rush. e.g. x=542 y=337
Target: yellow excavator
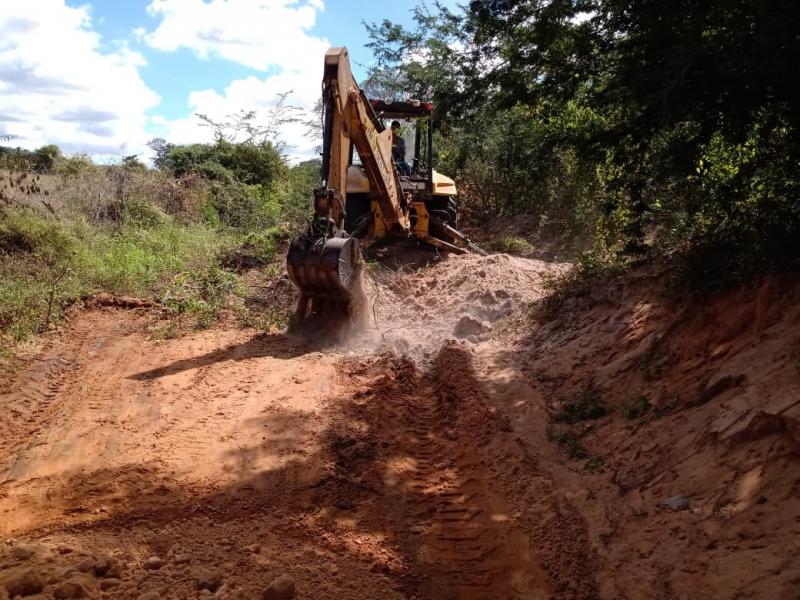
x=365 y=196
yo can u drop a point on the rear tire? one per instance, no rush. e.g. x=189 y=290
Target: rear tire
x=444 y=208
x=357 y=206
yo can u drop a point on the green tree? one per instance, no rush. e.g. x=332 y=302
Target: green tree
x=671 y=121
x=44 y=158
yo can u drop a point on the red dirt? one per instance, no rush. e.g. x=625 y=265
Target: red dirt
x=405 y=464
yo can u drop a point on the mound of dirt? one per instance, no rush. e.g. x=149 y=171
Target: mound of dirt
x=414 y=312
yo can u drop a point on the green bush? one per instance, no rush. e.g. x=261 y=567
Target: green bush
x=223 y=161
x=46 y=241
x=142 y=214
x=512 y=245
x=41 y=258
x=634 y=406
x=200 y=294
x=583 y=405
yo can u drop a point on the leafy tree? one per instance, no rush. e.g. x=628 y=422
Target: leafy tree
x=224 y=161
x=44 y=158
x=132 y=163
x=161 y=149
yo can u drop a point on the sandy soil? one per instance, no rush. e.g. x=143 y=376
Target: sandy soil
x=417 y=459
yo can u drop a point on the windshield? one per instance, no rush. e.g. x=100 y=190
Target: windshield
x=408 y=131
x=416 y=154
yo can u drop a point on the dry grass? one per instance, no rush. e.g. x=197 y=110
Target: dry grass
x=100 y=193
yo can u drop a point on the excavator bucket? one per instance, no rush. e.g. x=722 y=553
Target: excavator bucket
x=327 y=271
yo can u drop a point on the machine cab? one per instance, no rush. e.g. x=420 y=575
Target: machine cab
x=423 y=182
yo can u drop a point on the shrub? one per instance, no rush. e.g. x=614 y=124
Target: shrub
x=141 y=214
x=247 y=163
x=45 y=265
x=583 y=405
x=634 y=406
x=256 y=249
x=570 y=444
x=200 y=294
x=512 y=245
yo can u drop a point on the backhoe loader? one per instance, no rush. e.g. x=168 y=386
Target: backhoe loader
x=364 y=197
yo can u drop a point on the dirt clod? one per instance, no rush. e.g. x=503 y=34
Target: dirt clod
x=109 y=584
x=468 y=326
x=210 y=580
x=24 y=583
x=281 y=588
x=676 y=502
x=85 y=565
x=69 y=589
x=21 y=553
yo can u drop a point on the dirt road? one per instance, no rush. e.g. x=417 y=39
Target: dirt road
x=423 y=458
x=214 y=463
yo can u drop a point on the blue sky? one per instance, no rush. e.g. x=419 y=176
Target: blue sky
x=104 y=76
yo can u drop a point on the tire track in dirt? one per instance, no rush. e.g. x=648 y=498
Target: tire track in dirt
x=28 y=398
x=33 y=395
x=415 y=459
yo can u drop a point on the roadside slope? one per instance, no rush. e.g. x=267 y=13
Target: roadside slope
x=674 y=427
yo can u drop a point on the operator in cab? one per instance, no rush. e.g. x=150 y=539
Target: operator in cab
x=399 y=150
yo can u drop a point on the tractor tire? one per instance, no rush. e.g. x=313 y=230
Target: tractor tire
x=444 y=208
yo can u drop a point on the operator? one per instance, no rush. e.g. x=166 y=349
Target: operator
x=399 y=150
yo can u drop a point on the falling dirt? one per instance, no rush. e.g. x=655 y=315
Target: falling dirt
x=418 y=459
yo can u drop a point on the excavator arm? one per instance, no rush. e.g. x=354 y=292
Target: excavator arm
x=348 y=117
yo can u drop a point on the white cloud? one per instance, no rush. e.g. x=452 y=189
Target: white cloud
x=259 y=34
x=57 y=86
x=271 y=36
x=252 y=93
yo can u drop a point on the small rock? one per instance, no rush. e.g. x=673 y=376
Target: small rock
x=26 y=583
x=63 y=572
x=85 y=565
x=343 y=504
x=102 y=566
x=210 y=581
x=468 y=326
x=378 y=567
x=21 y=552
x=69 y=589
x=149 y=596
x=676 y=502
x=181 y=559
x=281 y=588
x=110 y=583
x=254 y=548
x=154 y=562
